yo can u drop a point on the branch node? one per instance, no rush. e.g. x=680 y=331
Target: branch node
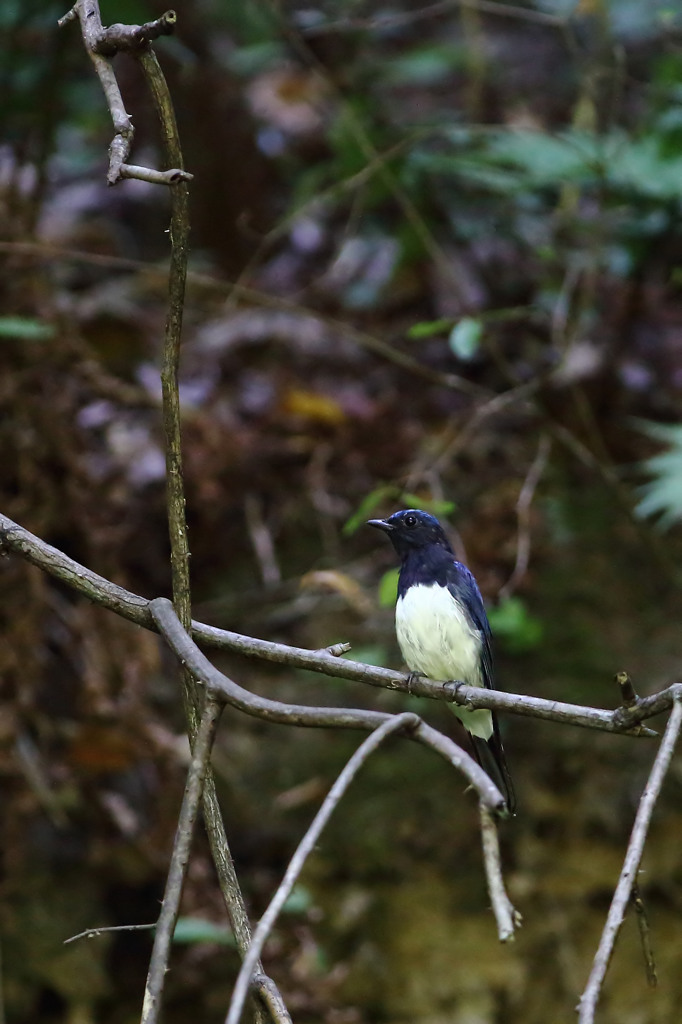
x=336 y=650
x=66 y=18
x=120 y=38
x=627 y=690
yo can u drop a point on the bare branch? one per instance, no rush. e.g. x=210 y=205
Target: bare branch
x=118 y=38
x=297 y=714
x=625 y=721
x=434 y=10
x=261 y=540
x=506 y=916
x=177 y=525
x=628 y=876
x=394 y=724
x=100 y=44
x=94 y=933
x=158 y=965
x=154 y=177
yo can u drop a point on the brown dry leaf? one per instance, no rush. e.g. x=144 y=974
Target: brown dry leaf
x=332 y=581
x=311 y=405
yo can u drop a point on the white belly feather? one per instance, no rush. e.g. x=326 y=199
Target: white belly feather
x=438 y=641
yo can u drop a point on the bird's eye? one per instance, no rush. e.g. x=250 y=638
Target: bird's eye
x=410 y=520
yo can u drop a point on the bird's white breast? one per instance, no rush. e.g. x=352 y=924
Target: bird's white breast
x=438 y=641
x=435 y=636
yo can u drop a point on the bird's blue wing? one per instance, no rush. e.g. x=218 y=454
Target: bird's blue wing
x=463 y=587
x=490 y=753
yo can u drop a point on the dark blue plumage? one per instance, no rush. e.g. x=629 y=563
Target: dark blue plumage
x=442 y=627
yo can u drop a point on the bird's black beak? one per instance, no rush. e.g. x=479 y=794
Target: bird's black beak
x=381 y=524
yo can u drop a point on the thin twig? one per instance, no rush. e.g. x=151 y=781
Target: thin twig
x=523 y=507
x=506 y=916
x=94 y=933
x=170 y=908
x=622 y=720
x=261 y=540
x=628 y=876
x=155 y=177
x=404 y=721
x=435 y=10
x=119 y=38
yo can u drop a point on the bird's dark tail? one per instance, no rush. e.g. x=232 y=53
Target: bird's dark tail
x=490 y=755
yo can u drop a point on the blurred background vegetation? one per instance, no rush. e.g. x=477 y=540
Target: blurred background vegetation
x=436 y=260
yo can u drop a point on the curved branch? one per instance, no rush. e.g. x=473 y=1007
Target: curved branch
x=622 y=720
x=223 y=688
x=506 y=915
x=392 y=725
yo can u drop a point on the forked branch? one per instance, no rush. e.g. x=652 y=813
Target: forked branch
x=101 y=44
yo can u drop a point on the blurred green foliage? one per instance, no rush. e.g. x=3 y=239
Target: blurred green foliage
x=515 y=629
x=25 y=328
x=191 y=930
x=395 y=495
x=662 y=495
x=388 y=588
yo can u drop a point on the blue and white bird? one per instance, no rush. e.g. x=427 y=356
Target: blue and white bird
x=442 y=628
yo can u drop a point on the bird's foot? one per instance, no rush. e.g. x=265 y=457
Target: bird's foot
x=412 y=678
x=452 y=689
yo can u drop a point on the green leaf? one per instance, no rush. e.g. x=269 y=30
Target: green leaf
x=425 y=65
x=374 y=654
x=662 y=495
x=386 y=492
x=388 y=588
x=436 y=506
x=512 y=623
x=189 y=930
x=25 y=328
x=465 y=338
x=427 y=328
x=367 y=506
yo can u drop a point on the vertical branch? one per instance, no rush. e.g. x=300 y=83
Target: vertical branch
x=177 y=524
x=158 y=965
x=628 y=876
x=179 y=237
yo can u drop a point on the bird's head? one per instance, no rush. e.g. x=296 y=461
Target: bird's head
x=412 y=529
